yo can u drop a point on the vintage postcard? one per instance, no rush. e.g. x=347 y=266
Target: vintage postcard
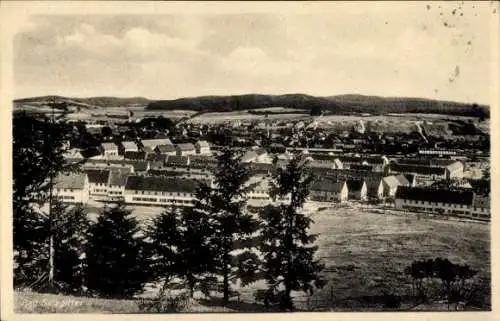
x=327 y=160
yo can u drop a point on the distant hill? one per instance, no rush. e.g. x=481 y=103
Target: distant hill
x=87 y=103
x=340 y=104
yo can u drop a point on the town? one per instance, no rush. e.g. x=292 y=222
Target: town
x=155 y=161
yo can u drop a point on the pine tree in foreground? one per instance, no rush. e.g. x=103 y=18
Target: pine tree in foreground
x=229 y=227
x=70 y=238
x=116 y=256
x=179 y=239
x=289 y=263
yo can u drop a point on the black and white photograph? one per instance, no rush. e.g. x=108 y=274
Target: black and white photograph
x=300 y=157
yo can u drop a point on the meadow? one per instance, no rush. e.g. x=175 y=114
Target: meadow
x=364 y=253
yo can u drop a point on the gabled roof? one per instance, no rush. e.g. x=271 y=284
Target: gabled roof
x=134 y=155
x=328 y=185
x=160 y=184
x=419 y=169
x=70 y=181
x=461 y=197
x=391 y=181
x=403 y=180
x=129 y=145
x=176 y=161
x=153 y=157
x=185 y=147
x=117 y=178
x=165 y=148
x=97 y=176
x=152 y=143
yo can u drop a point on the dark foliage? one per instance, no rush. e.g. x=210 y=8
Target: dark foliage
x=179 y=240
x=117 y=257
x=456 y=281
x=289 y=263
x=229 y=225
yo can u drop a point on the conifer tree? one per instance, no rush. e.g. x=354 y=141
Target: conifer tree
x=38 y=148
x=179 y=238
x=116 y=254
x=71 y=233
x=289 y=263
x=230 y=227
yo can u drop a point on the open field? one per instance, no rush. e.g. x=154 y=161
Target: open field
x=221 y=117
x=364 y=254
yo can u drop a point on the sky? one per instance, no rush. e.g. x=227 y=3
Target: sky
x=433 y=50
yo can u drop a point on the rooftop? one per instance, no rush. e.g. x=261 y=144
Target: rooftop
x=160 y=184
x=461 y=197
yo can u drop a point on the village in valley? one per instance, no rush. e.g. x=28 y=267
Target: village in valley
x=417 y=172
x=253 y=162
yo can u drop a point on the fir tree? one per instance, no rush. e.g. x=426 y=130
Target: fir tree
x=116 y=256
x=38 y=148
x=230 y=228
x=70 y=239
x=180 y=246
x=289 y=263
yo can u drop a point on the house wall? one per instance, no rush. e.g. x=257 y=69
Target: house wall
x=115 y=192
x=158 y=198
x=465 y=211
x=185 y=152
x=74 y=196
x=98 y=190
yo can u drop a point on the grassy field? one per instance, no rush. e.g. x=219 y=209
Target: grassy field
x=364 y=254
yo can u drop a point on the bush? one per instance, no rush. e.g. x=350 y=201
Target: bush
x=165 y=303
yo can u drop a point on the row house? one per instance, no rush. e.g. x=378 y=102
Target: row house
x=159 y=191
x=452 y=168
x=391 y=184
x=149 y=145
x=166 y=150
x=128 y=146
x=98 y=183
x=116 y=184
x=446 y=202
x=327 y=190
x=72 y=188
x=420 y=172
x=185 y=149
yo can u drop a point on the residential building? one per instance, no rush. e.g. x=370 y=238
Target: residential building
x=72 y=188
x=116 y=184
x=109 y=150
x=433 y=200
x=391 y=184
x=166 y=150
x=159 y=191
x=98 y=183
x=357 y=189
x=148 y=145
x=481 y=207
x=129 y=146
x=328 y=190
x=420 y=172
x=185 y=149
